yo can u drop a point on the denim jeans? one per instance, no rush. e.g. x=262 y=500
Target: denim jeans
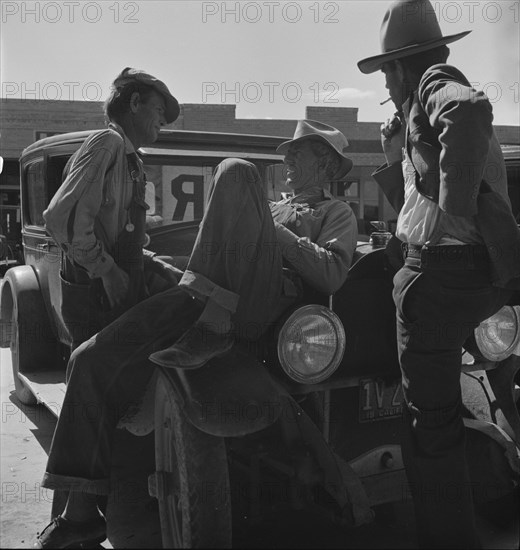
x=437 y=309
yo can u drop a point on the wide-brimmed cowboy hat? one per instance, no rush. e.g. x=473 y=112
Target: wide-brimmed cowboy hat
x=311 y=129
x=136 y=75
x=409 y=27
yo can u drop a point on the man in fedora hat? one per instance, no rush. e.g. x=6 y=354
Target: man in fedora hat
x=98 y=215
x=236 y=267
x=446 y=177
x=235 y=277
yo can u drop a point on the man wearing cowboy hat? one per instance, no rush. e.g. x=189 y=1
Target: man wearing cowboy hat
x=236 y=267
x=98 y=214
x=235 y=276
x=446 y=177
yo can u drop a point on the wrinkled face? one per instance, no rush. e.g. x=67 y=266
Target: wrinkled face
x=301 y=166
x=394 y=83
x=149 y=117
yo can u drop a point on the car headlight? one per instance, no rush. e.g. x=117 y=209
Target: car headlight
x=311 y=344
x=498 y=336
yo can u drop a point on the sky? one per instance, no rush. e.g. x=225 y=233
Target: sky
x=270 y=58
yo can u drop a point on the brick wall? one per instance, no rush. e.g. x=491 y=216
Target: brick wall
x=21 y=119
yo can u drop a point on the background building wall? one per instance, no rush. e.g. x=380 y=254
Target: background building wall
x=23 y=122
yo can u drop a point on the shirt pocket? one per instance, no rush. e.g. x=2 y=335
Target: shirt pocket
x=308 y=223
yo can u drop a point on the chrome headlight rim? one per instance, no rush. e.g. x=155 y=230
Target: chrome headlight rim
x=480 y=332
x=328 y=370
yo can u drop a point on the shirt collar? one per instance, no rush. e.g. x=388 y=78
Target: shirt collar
x=129 y=148
x=316 y=193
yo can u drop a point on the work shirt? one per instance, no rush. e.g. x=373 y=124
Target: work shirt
x=421 y=221
x=318 y=237
x=91 y=208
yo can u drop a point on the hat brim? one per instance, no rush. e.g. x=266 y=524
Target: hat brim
x=376 y=62
x=172 y=109
x=346 y=163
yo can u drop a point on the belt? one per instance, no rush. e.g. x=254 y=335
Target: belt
x=465 y=256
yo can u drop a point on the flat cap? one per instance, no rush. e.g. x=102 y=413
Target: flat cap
x=135 y=75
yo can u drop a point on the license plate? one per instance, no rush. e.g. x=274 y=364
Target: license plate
x=379 y=399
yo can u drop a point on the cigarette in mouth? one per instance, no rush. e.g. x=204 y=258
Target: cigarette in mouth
x=385 y=101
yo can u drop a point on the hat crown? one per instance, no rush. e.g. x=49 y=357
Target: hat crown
x=409 y=22
x=130 y=74
x=313 y=128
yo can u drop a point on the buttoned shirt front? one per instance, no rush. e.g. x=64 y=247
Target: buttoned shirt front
x=318 y=237
x=91 y=208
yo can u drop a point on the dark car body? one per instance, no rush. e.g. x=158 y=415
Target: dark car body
x=334 y=443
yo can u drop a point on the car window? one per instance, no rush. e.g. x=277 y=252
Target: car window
x=35 y=192
x=177 y=193
x=513 y=184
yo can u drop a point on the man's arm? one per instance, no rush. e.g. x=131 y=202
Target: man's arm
x=324 y=264
x=71 y=214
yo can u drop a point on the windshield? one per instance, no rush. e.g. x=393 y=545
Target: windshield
x=177 y=192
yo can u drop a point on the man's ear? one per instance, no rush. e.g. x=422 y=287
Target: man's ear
x=135 y=99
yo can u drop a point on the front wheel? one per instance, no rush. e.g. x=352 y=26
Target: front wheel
x=192 y=480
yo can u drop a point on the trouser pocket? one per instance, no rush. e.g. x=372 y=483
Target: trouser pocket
x=81 y=310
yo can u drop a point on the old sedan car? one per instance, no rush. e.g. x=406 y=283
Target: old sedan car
x=313 y=409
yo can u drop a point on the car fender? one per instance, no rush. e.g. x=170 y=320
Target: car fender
x=494 y=432
x=231 y=396
x=235 y=395
x=20 y=286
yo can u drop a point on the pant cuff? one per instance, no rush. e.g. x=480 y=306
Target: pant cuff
x=76 y=484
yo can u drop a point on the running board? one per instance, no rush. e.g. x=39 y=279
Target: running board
x=48 y=387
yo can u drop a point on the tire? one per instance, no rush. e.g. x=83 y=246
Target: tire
x=195 y=504
x=23 y=393
x=33 y=346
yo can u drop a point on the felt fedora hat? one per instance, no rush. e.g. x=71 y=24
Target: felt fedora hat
x=311 y=129
x=136 y=75
x=409 y=27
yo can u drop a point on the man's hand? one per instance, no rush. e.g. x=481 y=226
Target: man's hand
x=116 y=283
x=392 y=139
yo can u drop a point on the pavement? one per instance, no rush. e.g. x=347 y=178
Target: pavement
x=25 y=507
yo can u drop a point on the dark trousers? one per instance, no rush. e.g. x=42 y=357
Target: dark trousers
x=437 y=309
x=234 y=261
x=108 y=374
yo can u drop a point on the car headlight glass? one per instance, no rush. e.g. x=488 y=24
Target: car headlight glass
x=498 y=336
x=311 y=344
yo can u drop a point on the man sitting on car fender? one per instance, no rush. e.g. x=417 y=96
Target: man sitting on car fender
x=235 y=276
x=236 y=267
